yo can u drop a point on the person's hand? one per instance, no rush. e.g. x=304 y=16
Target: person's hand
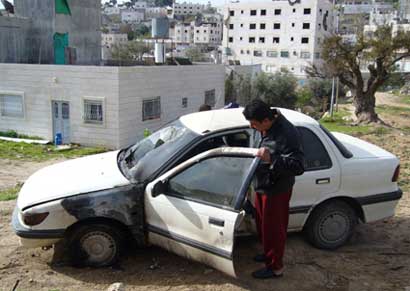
x=264 y=154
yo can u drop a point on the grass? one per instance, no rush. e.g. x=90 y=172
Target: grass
x=35 y=152
x=14 y=134
x=338 y=124
x=393 y=110
x=10 y=194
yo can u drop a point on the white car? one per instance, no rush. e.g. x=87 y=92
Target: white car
x=183 y=189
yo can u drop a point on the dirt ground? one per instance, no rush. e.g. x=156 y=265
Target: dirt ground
x=376 y=258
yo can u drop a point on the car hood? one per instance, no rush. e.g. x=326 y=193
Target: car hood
x=360 y=148
x=82 y=175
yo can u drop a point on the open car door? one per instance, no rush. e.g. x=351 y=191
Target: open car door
x=194 y=208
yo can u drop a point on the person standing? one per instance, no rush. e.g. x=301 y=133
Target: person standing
x=282 y=159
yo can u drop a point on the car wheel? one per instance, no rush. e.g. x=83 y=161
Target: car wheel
x=331 y=225
x=95 y=245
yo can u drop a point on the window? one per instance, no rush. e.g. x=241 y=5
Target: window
x=316 y=156
x=306 y=25
x=240 y=38
x=248 y=52
x=151 y=108
x=291 y=39
x=263 y=12
x=261 y=40
x=278 y=11
x=210 y=97
x=253 y=12
x=262 y=26
x=276 y=40
x=226 y=173
x=231 y=13
x=12 y=105
x=93 y=111
x=295 y=53
x=251 y=40
x=252 y=26
x=276 y=26
x=306 y=11
x=293 y=24
x=305 y=40
x=231 y=26
x=257 y=53
x=317 y=55
x=242 y=52
x=230 y=39
x=294 y=10
x=284 y=54
x=184 y=102
x=241 y=11
x=272 y=54
x=241 y=24
x=305 y=55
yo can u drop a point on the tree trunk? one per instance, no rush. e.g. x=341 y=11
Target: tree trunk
x=365 y=103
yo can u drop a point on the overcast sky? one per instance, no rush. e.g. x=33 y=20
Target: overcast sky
x=214 y=2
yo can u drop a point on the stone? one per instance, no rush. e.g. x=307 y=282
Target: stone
x=116 y=287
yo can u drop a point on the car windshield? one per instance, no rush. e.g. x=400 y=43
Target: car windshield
x=144 y=158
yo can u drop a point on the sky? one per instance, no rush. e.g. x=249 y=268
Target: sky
x=214 y=2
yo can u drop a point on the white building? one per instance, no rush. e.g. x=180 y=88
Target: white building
x=132 y=16
x=185 y=8
x=107 y=106
x=109 y=40
x=182 y=33
x=111 y=10
x=153 y=12
x=276 y=33
x=208 y=33
x=140 y=5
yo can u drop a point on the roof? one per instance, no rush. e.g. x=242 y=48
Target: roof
x=213 y=120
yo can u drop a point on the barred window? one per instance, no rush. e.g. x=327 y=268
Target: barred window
x=12 y=105
x=93 y=111
x=272 y=54
x=305 y=55
x=210 y=97
x=151 y=108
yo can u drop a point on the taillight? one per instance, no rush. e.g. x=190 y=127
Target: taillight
x=34 y=218
x=396 y=174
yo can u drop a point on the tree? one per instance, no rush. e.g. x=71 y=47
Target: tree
x=375 y=54
x=277 y=90
x=163 y=3
x=132 y=51
x=194 y=54
x=230 y=94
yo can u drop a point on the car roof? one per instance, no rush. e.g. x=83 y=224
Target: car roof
x=222 y=119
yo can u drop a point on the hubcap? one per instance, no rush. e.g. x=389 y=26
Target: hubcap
x=99 y=246
x=334 y=227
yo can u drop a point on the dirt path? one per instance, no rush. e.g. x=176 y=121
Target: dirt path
x=13 y=172
x=383 y=98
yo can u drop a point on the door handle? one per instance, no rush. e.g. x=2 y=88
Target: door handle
x=323 y=181
x=216 y=221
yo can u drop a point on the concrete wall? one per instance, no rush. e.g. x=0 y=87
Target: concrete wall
x=13 y=33
x=41 y=84
x=171 y=83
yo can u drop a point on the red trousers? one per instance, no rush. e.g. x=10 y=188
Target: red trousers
x=272 y=217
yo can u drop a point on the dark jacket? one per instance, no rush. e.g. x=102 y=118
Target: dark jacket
x=287 y=158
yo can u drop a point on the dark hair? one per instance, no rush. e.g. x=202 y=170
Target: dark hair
x=258 y=110
x=205 y=107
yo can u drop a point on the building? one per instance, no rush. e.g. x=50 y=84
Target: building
x=404 y=9
x=13 y=35
x=140 y=5
x=107 y=106
x=186 y=9
x=208 y=31
x=182 y=33
x=112 y=10
x=109 y=40
x=276 y=34
x=61 y=31
x=132 y=16
x=154 y=12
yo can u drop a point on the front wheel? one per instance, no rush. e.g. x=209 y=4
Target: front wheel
x=95 y=245
x=331 y=225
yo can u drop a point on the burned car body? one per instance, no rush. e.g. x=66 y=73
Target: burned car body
x=183 y=189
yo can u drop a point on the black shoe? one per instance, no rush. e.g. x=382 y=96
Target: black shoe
x=260 y=258
x=265 y=273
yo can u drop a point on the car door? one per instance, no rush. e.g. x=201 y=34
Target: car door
x=321 y=177
x=194 y=208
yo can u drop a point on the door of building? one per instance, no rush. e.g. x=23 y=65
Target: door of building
x=61 y=120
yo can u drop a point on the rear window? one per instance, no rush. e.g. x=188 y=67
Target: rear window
x=343 y=150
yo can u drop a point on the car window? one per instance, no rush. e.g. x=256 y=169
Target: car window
x=215 y=181
x=316 y=156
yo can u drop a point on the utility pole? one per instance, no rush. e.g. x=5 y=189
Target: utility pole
x=332 y=99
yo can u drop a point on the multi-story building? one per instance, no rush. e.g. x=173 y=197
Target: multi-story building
x=153 y=12
x=140 y=5
x=208 y=33
x=276 y=34
x=182 y=33
x=185 y=9
x=111 y=10
x=132 y=16
x=109 y=40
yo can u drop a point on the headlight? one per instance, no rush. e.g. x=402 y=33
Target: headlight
x=34 y=218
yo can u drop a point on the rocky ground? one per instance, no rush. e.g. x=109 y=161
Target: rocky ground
x=376 y=258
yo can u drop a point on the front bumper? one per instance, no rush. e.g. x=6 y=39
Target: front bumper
x=32 y=238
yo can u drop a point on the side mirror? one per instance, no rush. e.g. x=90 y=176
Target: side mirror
x=159 y=188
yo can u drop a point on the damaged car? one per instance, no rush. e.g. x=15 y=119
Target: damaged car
x=183 y=188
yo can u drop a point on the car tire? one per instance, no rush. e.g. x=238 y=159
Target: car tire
x=95 y=245
x=331 y=225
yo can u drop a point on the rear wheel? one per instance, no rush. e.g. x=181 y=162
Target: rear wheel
x=331 y=225
x=95 y=245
